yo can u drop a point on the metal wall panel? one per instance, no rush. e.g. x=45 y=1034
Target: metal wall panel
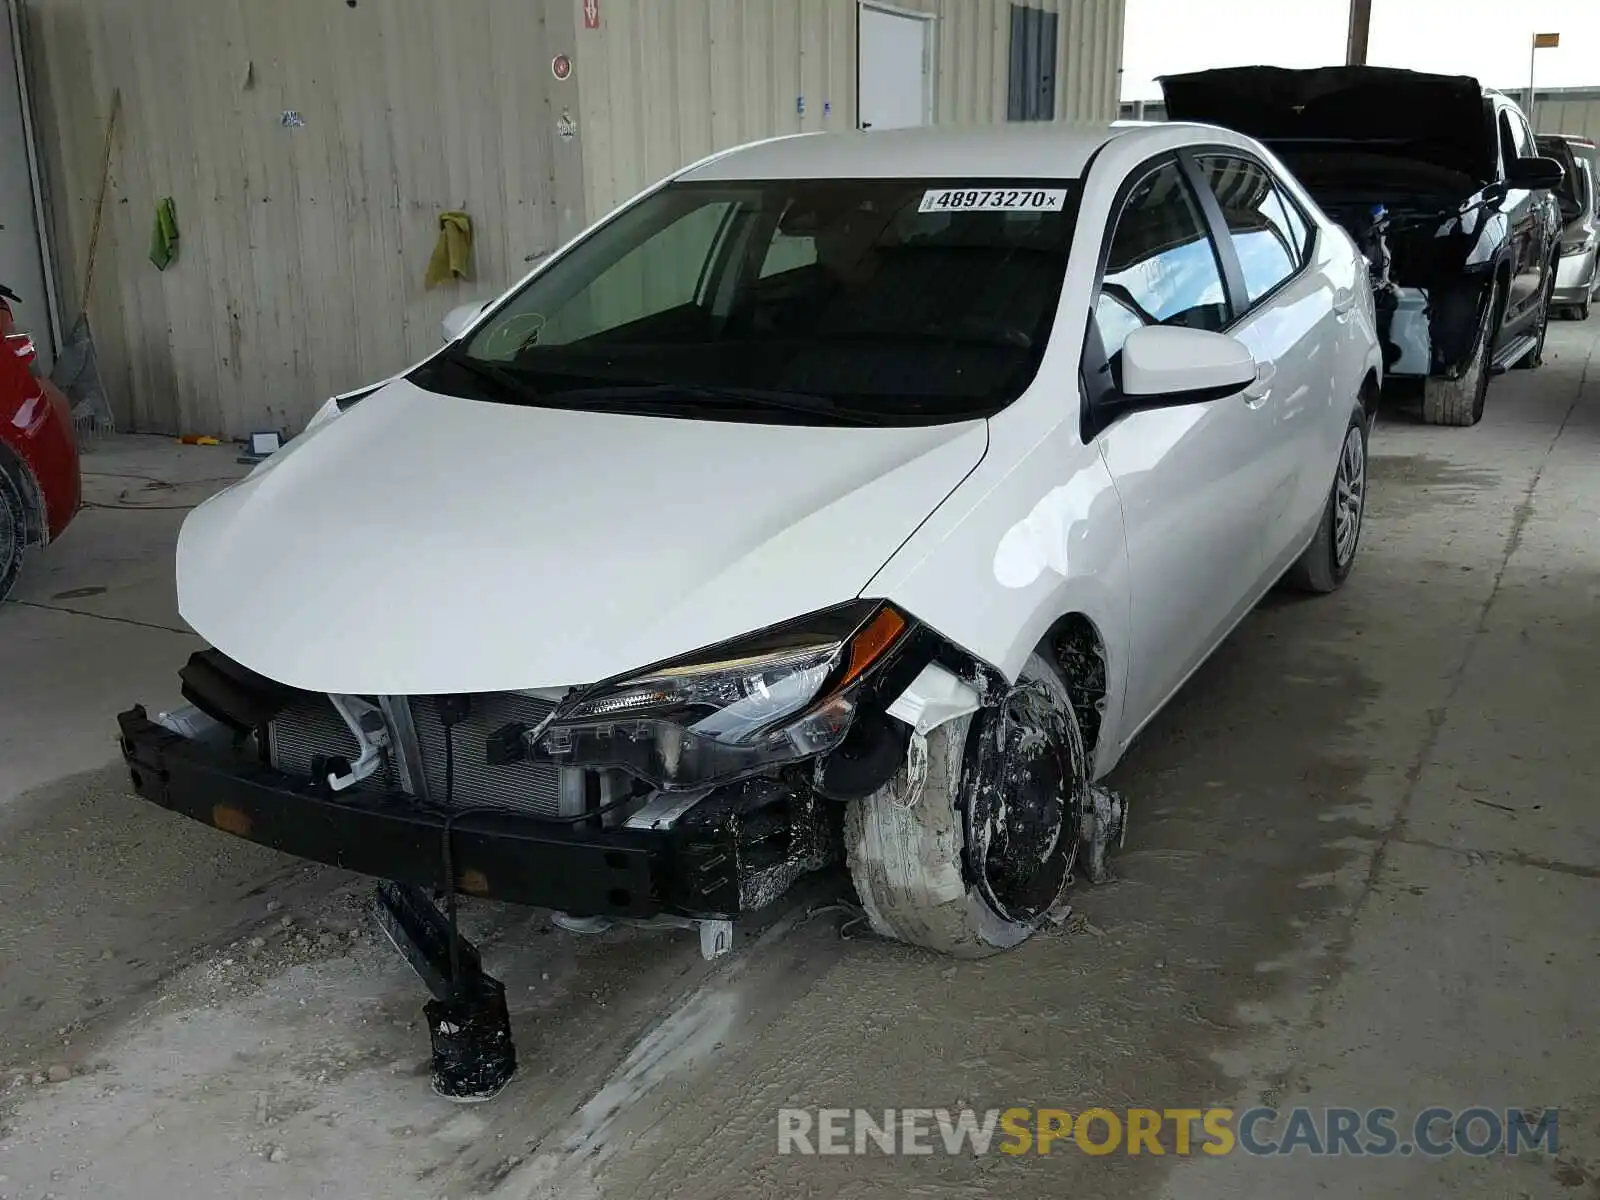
x=1578 y=114
x=302 y=248
x=736 y=70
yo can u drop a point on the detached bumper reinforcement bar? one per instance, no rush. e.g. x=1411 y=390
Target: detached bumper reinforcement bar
x=586 y=872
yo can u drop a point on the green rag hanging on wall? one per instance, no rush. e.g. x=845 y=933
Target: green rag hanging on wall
x=452 y=254
x=164 y=236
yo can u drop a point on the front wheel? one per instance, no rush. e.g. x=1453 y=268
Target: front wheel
x=971 y=861
x=1327 y=561
x=1460 y=401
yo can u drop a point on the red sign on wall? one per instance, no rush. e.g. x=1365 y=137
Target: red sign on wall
x=591 y=14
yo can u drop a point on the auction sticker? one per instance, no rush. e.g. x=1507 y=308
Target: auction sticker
x=993 y=200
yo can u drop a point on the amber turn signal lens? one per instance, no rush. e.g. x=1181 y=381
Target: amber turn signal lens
x=871 y=641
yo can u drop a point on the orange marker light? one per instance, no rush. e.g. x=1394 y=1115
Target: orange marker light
x=875 y=637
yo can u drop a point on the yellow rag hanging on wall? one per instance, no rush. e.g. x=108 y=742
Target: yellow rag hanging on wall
x=452 y=254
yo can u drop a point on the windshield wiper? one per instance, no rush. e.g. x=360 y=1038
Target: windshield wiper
x=504 y=381
x=794 y=402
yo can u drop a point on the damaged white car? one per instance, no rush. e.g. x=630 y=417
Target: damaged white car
x=842 y=497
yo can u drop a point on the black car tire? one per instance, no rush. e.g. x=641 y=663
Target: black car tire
x=1460 y=401
x=1322 y=568
x=13 y=532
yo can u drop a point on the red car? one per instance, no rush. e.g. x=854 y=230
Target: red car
x=40 y=484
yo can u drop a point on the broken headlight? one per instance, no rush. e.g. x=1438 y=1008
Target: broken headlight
x=780 y=696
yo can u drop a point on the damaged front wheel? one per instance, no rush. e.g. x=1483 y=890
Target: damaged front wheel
x=970 y=846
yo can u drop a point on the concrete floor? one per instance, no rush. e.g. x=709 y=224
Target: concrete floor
x=1364 y=871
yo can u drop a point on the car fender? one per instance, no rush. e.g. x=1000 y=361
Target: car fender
x=1027 y=539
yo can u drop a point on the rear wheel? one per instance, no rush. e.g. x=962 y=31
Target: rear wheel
x=13 y=533
x=1327 y=561
x=972 y=864
x=1460 y=401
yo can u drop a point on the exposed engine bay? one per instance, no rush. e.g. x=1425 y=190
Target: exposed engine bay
x=1423 y=171
x=1427 y=309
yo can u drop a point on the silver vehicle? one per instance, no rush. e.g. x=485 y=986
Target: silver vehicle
x=1577 y=276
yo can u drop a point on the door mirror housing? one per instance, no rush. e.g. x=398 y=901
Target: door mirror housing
x=1535 y=174
x=1169 y=365
x=457 y=320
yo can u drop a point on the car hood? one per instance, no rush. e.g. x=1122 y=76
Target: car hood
x=1437 y=119
x=422 y=543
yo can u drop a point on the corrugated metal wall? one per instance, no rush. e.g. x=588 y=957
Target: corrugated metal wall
x=743 y=69
x=303 y=248
x=304 y=245
x=1570 y=113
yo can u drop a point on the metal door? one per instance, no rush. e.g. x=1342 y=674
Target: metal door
x=1031 y=92
x=894 y=64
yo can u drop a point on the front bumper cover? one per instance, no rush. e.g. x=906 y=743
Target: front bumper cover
x=691 y=869
x=1575 y=278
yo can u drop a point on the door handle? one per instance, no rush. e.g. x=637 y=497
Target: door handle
x=1256 y=394
x=1343 y=301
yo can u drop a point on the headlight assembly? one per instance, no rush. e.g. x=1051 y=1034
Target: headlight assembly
x=779 y=696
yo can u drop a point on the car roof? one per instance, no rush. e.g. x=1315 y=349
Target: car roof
x=1041 y=150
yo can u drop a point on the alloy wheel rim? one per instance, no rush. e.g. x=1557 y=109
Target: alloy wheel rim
x=1350 y=494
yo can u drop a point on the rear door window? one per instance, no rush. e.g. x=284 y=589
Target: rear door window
x=1269 y=246
x=1298 y=226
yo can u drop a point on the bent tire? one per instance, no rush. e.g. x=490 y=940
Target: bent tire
x=13 y=533
x=974 y=863
x=1460 y=401
x=1327 y=560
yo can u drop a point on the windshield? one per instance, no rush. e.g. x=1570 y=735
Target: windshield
x=804 y=301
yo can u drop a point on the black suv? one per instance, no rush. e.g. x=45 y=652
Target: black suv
x=1442 y=186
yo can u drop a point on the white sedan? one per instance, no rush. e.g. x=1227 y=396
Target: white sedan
x=856 y=495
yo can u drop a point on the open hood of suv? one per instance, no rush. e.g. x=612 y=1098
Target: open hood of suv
x=1436 y=119
x=422 y=543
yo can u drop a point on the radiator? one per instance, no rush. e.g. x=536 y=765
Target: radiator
x=312 y=726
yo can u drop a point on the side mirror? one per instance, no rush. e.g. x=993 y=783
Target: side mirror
x=1172 y=365
x=1535 y=174
x=457 y=319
